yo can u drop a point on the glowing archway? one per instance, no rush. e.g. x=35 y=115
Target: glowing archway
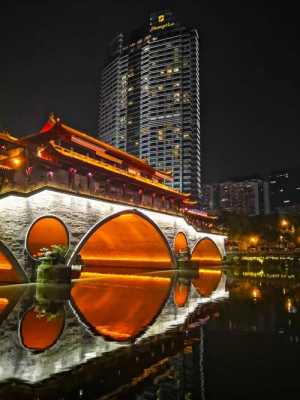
x=180 y=243
x=44 y=232
x=38 y=331
x=127 y=239
x=207 y=281
x=10 y=271
x=120 y=307
x=206 y=252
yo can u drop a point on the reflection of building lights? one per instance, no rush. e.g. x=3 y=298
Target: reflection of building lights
x=284 y=223
x=256 y=294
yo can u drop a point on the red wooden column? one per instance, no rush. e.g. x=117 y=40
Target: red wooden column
x=141 y=196
x=153 y=196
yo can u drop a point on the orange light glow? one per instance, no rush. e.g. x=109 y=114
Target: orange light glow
x=45 y=232
x=181 y=293
x=39 y=332
x=256 y=294
x=3 y=304
x=254 y=240
x=126 y=240
x=207 y=281
x=181 y=243
x=120 y=307
x=8 y=273
x=16 y=162
x=284 y=223
x=206 y=253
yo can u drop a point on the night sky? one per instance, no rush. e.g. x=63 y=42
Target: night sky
x=51 y=53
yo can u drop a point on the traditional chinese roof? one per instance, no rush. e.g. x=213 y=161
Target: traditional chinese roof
x=105 y=150
x=66 y=153
x=6 y=137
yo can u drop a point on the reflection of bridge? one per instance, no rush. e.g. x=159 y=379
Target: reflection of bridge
x=105 y=234
x=123 y=308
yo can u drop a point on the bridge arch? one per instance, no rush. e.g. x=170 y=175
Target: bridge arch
x=45 y=231
x=206 y=252
x=180 y=242
x=10 y=270
x=127 y=239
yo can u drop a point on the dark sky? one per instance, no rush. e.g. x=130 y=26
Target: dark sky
x=50 y=53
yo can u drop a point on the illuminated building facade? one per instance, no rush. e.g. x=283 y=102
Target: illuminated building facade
x=149 y=99
x=285 y=190
x=245 y=197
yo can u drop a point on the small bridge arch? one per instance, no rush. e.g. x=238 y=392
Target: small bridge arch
x=45 y=231
x=180 y=242
x=206 y=252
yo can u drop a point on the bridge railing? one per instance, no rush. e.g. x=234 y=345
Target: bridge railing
x=28 y=188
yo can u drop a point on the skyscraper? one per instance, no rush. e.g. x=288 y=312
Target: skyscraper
x=150 y=98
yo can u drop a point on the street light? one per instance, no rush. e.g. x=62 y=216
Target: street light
x=253 y=240
x=284 y=223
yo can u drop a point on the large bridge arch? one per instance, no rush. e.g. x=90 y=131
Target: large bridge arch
x=206 y=252
x=10 y=270
x=128 y=239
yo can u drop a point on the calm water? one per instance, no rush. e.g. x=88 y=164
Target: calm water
x=207 y=334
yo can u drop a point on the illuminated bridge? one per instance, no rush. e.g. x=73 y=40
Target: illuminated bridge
x=104 y=233
x=63 y=186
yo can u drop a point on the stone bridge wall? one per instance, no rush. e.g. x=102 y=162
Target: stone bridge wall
x=79 y=214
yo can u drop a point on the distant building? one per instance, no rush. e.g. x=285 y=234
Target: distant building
x=150 y=99
x=245 y=197
x=285 y=190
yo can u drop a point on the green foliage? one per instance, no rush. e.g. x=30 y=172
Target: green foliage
x=53 y=256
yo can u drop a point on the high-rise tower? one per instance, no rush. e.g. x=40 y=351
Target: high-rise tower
x=150 y=98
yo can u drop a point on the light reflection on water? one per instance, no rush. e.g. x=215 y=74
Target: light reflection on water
x=131 y=335
x=166 y=329
x=49 y=329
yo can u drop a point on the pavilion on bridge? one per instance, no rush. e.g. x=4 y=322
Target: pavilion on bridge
x=62 y=157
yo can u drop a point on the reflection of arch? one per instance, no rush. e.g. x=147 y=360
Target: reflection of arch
x=10 y=270
x=44 y=232
x=181 y=292
x=120 y=307
x=206 y=252
x=9 y=296
x=207 y=281
x=125 y=239
x=180 y=242
x=40 y=332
